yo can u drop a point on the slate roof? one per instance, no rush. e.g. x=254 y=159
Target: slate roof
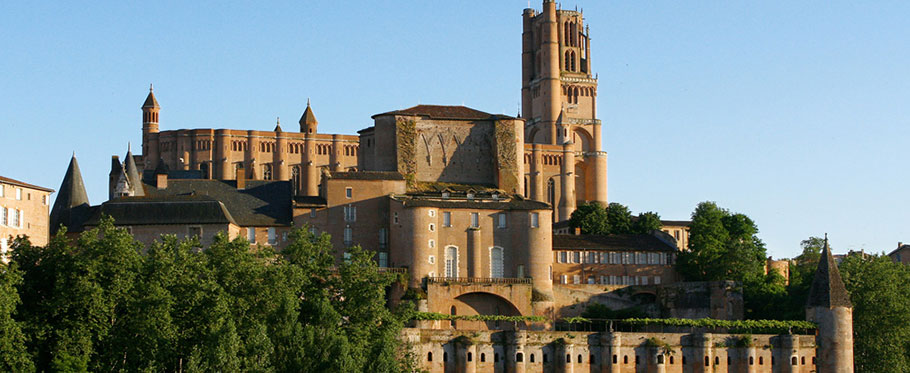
x=6 y=180
x=308 y=117
x=444 y=112
x=261 y=203
x=613 y=242
x=309 y=201
x=71 y=207
x=366 y=175
x=486 y=204
x=827 y=289
x=163 y=210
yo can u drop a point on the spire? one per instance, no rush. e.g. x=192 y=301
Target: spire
x=150 y=101
x=308 y=121
x=827 y=288
x=71 y=207
x=278 y=124
x=132 y=174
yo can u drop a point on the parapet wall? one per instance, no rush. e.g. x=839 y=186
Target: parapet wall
x=617 y=352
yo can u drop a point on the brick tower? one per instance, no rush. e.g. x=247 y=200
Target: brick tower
x=829 y=306
x=559 y=102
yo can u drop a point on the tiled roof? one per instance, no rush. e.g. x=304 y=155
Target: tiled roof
x=309 y=201
x=308 y=117
x=150 y=101
x=15 y=182
x=827 y=289
x=676 y=223
x=613 y=242
x=443 y=112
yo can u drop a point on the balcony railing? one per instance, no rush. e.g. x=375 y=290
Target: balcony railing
x=478 y=280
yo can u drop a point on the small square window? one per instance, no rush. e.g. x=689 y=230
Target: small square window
x=19 y=194
x=194 y=231
x=432 y=227
x=348 y=192
x=431 y=243
x=446 y=219
x=431 y=213
x=432 y=260
x=251 y=234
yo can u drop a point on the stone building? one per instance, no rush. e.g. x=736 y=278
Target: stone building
x=23 y=211
x=901 y=254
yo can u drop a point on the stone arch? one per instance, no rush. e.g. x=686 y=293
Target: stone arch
x=583 y=140
x=486 y=303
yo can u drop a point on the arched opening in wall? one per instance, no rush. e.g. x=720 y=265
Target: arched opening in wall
x=430 y=356
x=565 y=34
x=575 y=93
x=480 y=303
x=644 y=298
x=266 y=172
x=453 y=312
x=573 y=31
x=583 y=142
x=572 y=58
x=527 y=189
x=204 y=170
x=566 y=59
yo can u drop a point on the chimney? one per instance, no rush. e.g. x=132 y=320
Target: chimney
x=241 y=181
x=161 y=181
x=161 y=175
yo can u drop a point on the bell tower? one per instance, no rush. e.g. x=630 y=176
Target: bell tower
x=559 y=99
x=150 y=111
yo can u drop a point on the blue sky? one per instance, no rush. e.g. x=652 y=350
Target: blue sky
x=794 y=113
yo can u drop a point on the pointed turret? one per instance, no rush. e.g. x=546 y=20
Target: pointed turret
x=150 y=101
x=829 y=306
x=308 y=122
x=71 y=207
x=278 y=124
x=114 y=177
x=133 y=175
x=827 y=287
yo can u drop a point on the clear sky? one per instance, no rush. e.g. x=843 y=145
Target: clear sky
x=796 y=113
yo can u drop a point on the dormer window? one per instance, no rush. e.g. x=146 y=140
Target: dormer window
x=445 y=194
x=495 y=195
x=470 y=195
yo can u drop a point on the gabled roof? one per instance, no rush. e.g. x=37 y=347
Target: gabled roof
x=18 y=183
x=443 y=112
x=827 y=289
x=71 y=207
x=612 y=242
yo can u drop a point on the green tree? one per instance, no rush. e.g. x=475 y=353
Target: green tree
x=619 y=218
x=646 y=223
x=881 y=308
x=722 y=246
x=591 y=217
x=13 y=354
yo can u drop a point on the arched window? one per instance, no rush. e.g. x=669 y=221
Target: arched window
x=566 y=59
x=671 y=359
x=751 y=360
x=430 y=356
x=495 y=357
x=568 y=358
x=295 y=179
x=453 y=312
x=551 y=192
x=576 y=95
x=470 y=357
x=793 y=361
x=573 y=38
x=565 y=34
x=578 y=359
x=451 y=261
x=266 y=172
x=572 y=58
x=761 y=360
x=496 y=267
x=483 y=357
x=625 y=359
x=445 y=357
x=519 y=357
x=204 y=167
x=532 y=358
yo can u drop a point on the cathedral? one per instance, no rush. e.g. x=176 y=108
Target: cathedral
x=472 y=206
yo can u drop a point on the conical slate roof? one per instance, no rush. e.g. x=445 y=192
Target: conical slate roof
x=308 y=118
x=150 y=101
x=71 y=207
x=133 y=175
x=278 y=125
x=827 y=287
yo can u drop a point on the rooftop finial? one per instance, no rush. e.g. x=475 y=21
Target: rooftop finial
x=128 y=147
x=277 y=120
x=307 y=102
x=151 y=87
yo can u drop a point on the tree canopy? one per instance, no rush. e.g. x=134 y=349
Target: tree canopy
x=100 y=304
x=616 y=218
x=881 y=310
x=722 y=246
